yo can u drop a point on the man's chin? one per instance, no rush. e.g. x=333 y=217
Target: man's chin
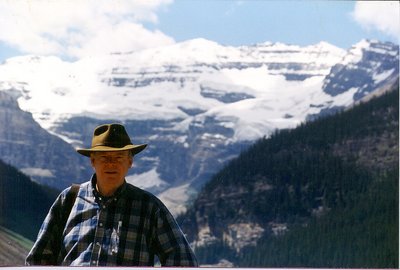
x=112 y=177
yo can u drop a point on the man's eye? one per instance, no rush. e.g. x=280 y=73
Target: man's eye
x=118 y=159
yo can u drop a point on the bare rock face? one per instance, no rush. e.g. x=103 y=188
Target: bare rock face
x=39 y=154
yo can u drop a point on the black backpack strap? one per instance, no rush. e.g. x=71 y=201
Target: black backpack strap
x=69 y=203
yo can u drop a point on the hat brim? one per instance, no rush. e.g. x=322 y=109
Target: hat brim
x=135 y=149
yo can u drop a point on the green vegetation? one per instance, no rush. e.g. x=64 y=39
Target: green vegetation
x=362 y=235
x=24 y=242
x=23 y=203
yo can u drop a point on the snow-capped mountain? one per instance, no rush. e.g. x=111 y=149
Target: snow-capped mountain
x=196 y=103
x=169 y=83
x=354 y=71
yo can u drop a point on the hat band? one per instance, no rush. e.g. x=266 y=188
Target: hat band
x=113 y=145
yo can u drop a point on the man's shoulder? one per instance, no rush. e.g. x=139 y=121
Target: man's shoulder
x=84 y=185
x=137 y=193
x=78 y=188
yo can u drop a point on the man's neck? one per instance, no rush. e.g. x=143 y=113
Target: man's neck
x=106 y=191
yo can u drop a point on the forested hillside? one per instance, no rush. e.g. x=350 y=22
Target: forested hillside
x=324 y=194
x=23 y=203
x=363 y=234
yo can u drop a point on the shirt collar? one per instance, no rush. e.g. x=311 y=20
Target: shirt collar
x=116 y=194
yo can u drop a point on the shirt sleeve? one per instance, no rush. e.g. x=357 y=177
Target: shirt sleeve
x=173 y=248
x=47 y=246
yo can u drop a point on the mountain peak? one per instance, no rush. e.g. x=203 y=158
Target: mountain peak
x=323 y=45
x=199 y=42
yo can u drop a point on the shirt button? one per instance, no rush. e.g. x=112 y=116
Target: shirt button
x=101 y=224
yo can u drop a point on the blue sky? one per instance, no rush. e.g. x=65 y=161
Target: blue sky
x=46 y=27
x=247 y=22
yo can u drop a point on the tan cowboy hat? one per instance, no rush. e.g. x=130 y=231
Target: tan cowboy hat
x=111 y=137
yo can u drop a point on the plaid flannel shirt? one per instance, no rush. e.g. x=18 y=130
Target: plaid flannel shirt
x=128 y=229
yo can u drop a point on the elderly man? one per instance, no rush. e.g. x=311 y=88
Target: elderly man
x=111 y=222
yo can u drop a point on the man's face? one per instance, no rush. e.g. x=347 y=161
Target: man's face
x=111 y=167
